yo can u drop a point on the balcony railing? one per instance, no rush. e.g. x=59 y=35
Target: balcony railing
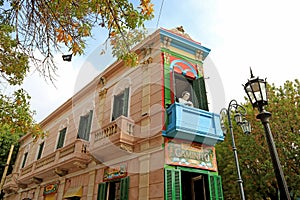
x=70 y=157
x=10 y=184
x=193 y=124
x=113 y=139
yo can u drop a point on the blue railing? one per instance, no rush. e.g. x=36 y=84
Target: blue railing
x=193 y=124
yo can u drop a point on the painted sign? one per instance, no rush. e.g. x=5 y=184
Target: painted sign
x=190 y=154
x=50 y=188
x=111 y=173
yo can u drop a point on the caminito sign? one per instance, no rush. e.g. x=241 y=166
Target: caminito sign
x=190 y=154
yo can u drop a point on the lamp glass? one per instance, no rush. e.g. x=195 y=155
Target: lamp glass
x=238 y=118
x=224 y=129
x=250 y=93
x=246 y=127
x=263 y=90
x=256 y=91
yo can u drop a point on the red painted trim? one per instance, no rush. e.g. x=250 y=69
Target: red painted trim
x=172 y=88
x=163 y=91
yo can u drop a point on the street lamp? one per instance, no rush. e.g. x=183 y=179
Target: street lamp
x=256 y=90
x=239 y=118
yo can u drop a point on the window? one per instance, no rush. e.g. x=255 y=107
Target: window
x=41 y=147
x=114 y=190
x=195 y=87
x=24 y=159
x=187 y=185
x=85 y=126
x=61 y=139
x=120 y=106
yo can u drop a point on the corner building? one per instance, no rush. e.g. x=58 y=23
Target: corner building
x=126 y=136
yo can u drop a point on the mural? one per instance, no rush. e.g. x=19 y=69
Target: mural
x=116 y=172
x=190 y=154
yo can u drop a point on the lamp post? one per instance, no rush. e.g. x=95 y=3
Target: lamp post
x=240 y=112
x=257 y=92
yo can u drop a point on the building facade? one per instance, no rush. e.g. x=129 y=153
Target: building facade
x=131 y=133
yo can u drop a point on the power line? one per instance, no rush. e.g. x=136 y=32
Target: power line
x=160 y=10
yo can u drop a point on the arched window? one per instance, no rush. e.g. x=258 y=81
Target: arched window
x=186 y=79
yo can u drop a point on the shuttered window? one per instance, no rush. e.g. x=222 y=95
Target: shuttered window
x=102 y=190
x=115 y=190
x=24 y=159
x=215 y=187
x=178 y=185
x=200 y=93
x=41 y=147
x=120 y=106
x=173 y=184
x=61 y=138
x=85 y=126
x=195 y=87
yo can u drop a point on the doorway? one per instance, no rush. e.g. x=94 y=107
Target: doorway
x=194 y=186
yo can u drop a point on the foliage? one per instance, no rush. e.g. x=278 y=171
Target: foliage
x=15 y=114
x=35 y=30
x=46 y=26
x=254 y=157
x=13 y=64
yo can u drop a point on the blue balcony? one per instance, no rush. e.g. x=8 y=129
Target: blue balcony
x=193 y=124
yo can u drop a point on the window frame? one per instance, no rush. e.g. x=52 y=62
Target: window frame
x=117 y=110
x=196 y=87
x=25 y=157
x=104 y=189
x=173 y=183
x=84 y=127
x=61 y=139
x=40 y=151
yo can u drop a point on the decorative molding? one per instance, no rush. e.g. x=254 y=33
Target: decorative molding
x=179 y=41
x=146 y=53
x=60 y=172
x=80 y=165
x=199 y=55
x=180 y=31
x=102 y=92
x=126 y=147
x=36 y=180
x=166 y=58
x=166 y=42
x=102 y=81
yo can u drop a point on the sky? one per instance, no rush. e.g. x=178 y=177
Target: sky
x=261 y=34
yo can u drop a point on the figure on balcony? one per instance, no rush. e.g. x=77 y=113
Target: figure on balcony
x=185 y=99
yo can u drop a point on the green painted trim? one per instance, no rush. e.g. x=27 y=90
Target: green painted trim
x=188 y=169
x=167 y=85
x=194 y=61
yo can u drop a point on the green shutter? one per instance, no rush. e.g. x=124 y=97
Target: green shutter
x=81 y=128
x=200 y=93
x=167 y=86
x=115 y=113
x=177 y=184
x=215 y=187
x=168 y=184
x=125 y=104
x=124 y=188
x=173 y=184
x=102 y=187
x=24 y=159
x=88 y=126
x=61 y=138
x=41 y=147
x=218 y=181
x=212 y=188
x=85 y=126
